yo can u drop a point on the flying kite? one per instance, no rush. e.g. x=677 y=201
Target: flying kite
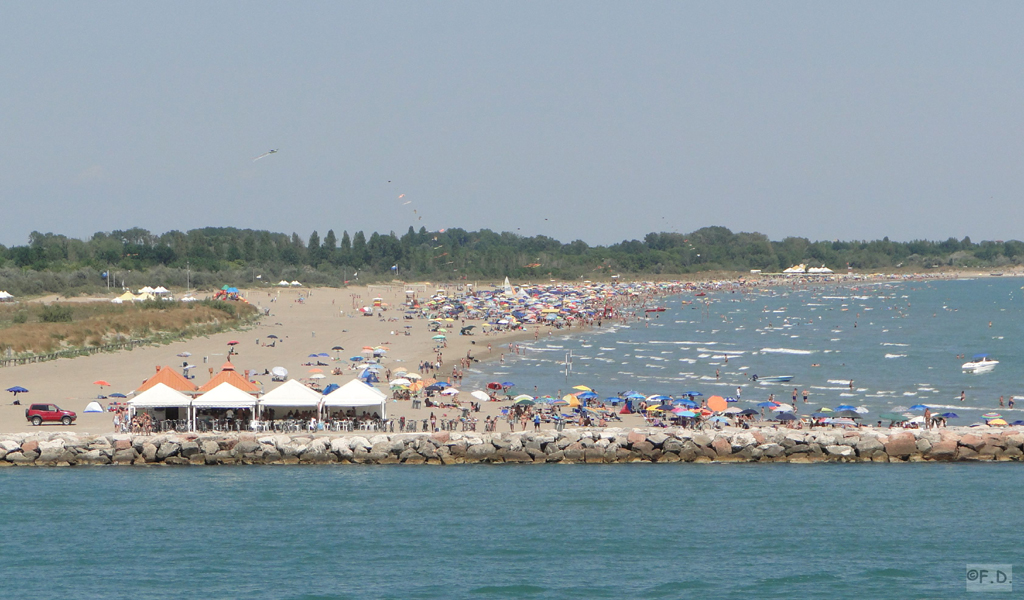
x=265 y=154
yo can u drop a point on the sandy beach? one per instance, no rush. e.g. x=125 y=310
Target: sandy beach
x=325 y=318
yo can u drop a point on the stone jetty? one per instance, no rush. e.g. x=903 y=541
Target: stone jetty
x=61 y=448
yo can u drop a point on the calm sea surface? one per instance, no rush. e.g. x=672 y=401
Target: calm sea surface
x=615 y=531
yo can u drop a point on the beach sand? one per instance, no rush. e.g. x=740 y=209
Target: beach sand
x=315 y=325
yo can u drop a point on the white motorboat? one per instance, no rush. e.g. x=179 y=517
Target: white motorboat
x=980 y=364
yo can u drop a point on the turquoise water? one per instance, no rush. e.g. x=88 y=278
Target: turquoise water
x=898 y=342
x=546 y=531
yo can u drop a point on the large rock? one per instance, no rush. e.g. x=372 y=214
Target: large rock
x=722 y=447
x=30 y=446
x=942 y=450
x=839 y=450
x=189 y=449
x=974 y=442
x=479 y=452
x=166 y=450
x=149 y=452
x=901 y=445
x=867 y=446
x=125 y=456
x=246 y=447
x=742 y=440
x=772 y=450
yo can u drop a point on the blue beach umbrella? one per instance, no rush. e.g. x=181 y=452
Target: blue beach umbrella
x=313 y=355
x=767 y=404
x=17 y=390
x=918 y=407
x=719 y=420
x=324 y=354
x=587 y=396
x=118 y=395
x=950 y=415
x=845 y=407
x=355 y=358
x=819 y=415
x=507 y=384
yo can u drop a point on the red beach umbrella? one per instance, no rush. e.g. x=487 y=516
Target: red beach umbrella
x=233 y=343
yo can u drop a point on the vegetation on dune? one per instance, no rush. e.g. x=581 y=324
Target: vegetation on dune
x=37 y=328
x=211 y=257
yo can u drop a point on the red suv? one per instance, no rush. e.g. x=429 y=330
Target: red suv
x=50 y=413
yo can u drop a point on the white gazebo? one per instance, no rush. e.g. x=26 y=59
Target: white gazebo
x=356 y=394
x=291 y=394
x=161 y=397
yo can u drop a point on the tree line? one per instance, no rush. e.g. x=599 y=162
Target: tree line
x=215 y=255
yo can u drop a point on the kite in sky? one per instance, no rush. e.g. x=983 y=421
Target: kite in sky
x=265 y=154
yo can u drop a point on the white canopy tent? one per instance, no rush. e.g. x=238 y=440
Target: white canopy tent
x=356 y=394
x=291 y=394
x=162 y=397
x=225 y=395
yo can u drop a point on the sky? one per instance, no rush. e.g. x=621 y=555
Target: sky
x=599 y=121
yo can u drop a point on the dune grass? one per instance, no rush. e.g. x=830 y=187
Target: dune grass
x=24 y=328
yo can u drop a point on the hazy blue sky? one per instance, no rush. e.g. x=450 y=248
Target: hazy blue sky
x=589 y=120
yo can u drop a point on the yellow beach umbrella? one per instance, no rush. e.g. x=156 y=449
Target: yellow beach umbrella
x=572 y=400
x=582 y=388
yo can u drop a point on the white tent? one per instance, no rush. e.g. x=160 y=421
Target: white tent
x=357 y=394
x=225 y=395
x=160 y=396
x=160 y=290
x=146 y=290
x=296 y=283
x=291 y=393
x=93 y=407
x=282 y=283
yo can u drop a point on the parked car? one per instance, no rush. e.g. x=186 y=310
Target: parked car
x=49 y=413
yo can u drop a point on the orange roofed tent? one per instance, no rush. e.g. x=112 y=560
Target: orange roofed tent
x=229 y=375
x=171 y=379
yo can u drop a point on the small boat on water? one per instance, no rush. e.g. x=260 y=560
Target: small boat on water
x=776 y=379
x=656 y=309
x=980 y=364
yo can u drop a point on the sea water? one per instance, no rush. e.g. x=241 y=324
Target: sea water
x=545 y=531
x=897 y=342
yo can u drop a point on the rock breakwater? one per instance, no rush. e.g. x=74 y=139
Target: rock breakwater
x=569 y=446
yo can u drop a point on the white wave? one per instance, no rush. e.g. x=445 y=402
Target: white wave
x=602 y=348
x=909 y=393
x=894 y=344
x=785 y=351
x=843 y=381
x=895 y=355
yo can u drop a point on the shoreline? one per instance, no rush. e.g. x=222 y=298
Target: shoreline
x=571 y=446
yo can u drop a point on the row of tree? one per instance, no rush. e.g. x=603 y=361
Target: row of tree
x=225 y=253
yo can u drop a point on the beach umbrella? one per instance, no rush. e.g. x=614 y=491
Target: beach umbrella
x=118 y=395
x=1017 y=422
x=316 y=370
x=523 y=397
x=337 y=348
x=330 y=388
x=767 y=404
x=785 y=416
x=749 y=412
x=317 y=376
x=184 y=354
x=843 y=421
x=233 y=343
x=588 y=396
x=732 y=410
x=717 y=419
x=892 y=417
x=848 y=414
x=918 y=407
x=842 y=407
x=558 y=402
x=272 y=337
x=635 y=396
x=824 y=409
x=279 y=372
x=450 y=392
x=689 y=414
x=949 y=415
x=717 y=403
x=527 y=402
x=480 y=395
x=324 y=355
x=582 y=388
x=439 y=337
x=313 y=356
x=783 y=408
x=821 y=415
x=507 y=384
x=494 y=385
x=400 y=381
x=17 y=390
x=101 y=383
x=413 y=376
x=998 y=422
x=355 y=358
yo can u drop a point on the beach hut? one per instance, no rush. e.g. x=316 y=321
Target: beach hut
x=230 y=376
x=170 y=378
x=356 y=394
x=225 y=397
